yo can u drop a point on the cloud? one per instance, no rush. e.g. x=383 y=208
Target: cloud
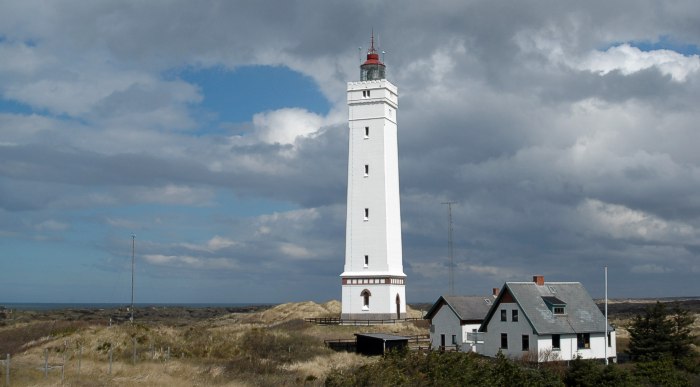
x=629 y=60
x=283 y=126
x=190 y=262
x=563 y=157
x=650 y=269
x=51 y=225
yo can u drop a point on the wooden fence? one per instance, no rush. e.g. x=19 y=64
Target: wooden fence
x=339 y=321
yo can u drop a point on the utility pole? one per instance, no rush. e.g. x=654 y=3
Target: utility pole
x=133 y=243
x=606 y=316
x=450 y=248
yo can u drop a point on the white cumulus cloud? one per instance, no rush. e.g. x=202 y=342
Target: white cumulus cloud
x=628 y=60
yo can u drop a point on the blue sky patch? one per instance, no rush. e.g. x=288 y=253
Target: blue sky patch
x=663 y=43
x=235 y=96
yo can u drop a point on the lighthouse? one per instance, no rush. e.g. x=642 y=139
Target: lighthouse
x=373 y=281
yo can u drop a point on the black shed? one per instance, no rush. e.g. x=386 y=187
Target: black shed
x=379 y=343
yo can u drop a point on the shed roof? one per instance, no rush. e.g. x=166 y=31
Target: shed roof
x=582 y=315
x=382 y=336
x=467 y=308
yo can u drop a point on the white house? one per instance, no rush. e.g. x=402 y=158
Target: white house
x=373 y=281
x=454 y=321
x=546 y=321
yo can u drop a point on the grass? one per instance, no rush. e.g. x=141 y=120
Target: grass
x=272 y=347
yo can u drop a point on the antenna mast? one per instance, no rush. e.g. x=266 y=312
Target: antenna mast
x=450 y=248
x=133 y=243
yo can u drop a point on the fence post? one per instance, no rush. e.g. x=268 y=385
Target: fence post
x=7 y=371
x=63 y=367
x=80 y=359
x=167 y=356
x=46 y=363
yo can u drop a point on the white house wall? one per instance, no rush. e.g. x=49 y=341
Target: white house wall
x=515 y=330
x=569 y=347
x=445 y=322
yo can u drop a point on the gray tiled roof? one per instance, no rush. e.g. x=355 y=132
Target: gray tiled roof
x=581 y=315
x=467 y=308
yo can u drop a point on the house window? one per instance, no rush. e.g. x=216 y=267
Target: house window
x=366 y=170
x=366 y=131
x=366 y=260
x=504 y=314
x=583 y=340
x=556 y=342
x=504 y=341
x=526 y=343
x=515 y=316
x=609 y=340
x=558 y=310
x=454 y=339
x=366 y=213
x=365 y=299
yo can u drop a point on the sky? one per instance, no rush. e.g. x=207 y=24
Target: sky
x=566 y=133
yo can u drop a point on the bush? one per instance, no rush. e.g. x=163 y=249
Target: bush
x=442 y=369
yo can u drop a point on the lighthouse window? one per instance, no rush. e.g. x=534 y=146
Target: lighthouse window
x=368 y=93
x=365 y=299
x=366 y=213
x=366 y=170
x=366 y=260
x=366 y=131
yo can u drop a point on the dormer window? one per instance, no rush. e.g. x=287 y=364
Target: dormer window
x=557 y=306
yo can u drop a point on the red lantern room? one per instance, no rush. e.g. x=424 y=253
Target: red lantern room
x=373 y=69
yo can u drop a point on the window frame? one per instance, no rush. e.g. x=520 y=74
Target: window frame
x=514 y=315
x=504 y=315
x=583 y=341
x=525 y=341
x=504 y=341
x=558 y=340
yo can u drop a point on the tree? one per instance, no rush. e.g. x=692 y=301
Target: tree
x=650 y=334
x=662 y=334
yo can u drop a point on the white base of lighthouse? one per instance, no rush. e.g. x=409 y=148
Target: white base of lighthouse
x=373 y=298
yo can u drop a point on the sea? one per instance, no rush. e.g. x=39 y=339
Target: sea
x=109 y=305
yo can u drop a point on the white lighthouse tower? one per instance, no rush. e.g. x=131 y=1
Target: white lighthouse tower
x=374 y=284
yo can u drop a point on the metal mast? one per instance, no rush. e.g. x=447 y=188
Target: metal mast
x=133 y=243
x=450 y=248
x=606 y=316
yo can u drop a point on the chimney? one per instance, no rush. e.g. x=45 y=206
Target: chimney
x=495 y=292
x=538 y=279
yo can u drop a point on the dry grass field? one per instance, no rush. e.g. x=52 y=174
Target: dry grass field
x=274 y=346
x=261 y=346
